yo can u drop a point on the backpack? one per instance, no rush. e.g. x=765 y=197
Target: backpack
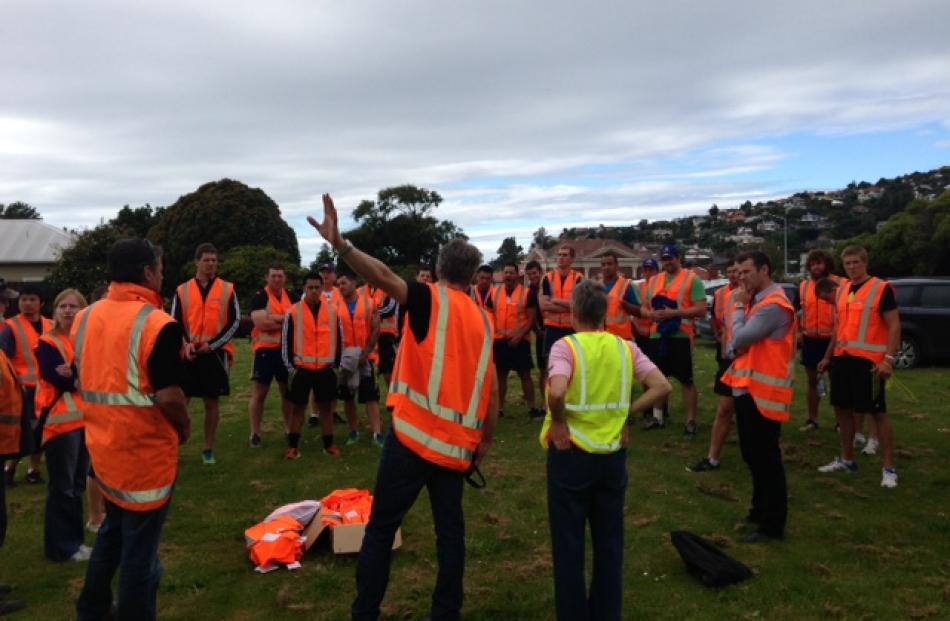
x=707 y=563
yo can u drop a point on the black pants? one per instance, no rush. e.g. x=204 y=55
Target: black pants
x=401 y=476
x=67 y=464
x=759 y=443
x=585 y=487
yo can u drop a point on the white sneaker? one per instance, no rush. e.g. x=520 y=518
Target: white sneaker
x=871 y=447
x=888 y=478
x=859 y=439
x=839 y=465
x=84 y=552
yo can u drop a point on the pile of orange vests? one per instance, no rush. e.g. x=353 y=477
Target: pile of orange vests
x=347 y=506
x=277 y=542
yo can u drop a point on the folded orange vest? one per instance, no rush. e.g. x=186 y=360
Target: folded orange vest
x=274 y=543
x=347 y=506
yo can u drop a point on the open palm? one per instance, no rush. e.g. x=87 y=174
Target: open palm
x=329 y=229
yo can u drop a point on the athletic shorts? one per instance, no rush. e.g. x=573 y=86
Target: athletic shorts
x=517 y=359
x=854 y=387
x=719 y=388
x=813 y=350
x=387 y=353
x=367 y=391
x=268 y=366
x=321 y=383
x=552 y=336
x=675 y=358
x=207 y=376
x=539 y=356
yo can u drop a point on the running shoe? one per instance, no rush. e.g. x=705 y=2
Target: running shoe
x=333 y=451
x=353 y=438
x=839 y=465
x=255 y=441
x=207 y=457
x=292 y=453
x=871 y=447
x=704 y=465
x=810 y=425
x=888 y=478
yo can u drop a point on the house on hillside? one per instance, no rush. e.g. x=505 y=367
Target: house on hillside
x=30 y=249
x=587 y=254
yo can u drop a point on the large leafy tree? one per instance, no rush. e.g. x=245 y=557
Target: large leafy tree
x=19 y=211
x=246 y=267
x=508 y=252
x=139 y=221
x=226 y=213
x=83 y=265
x=399 y=227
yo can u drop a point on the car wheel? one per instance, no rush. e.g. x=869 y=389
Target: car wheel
x=908 y=355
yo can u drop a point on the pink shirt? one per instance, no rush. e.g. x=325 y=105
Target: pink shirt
x=561 y=360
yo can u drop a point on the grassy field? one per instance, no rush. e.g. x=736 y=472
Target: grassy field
x=854 y=550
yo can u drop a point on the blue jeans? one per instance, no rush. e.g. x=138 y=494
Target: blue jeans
x=401 y=476
x=67 y=464
x=127 y=539
x=586 y=487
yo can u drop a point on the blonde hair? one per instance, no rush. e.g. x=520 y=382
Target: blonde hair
x=59 y=298
x=855 y=251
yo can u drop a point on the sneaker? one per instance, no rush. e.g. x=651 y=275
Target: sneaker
x=888 y=478
x=353 y=438
x=292 y=453
x=704 y=465
x=810 y=425
x=93 y=528
x=839 y=465
x=653 y=423
x=207 y=457
x=255 y=441
x=859 y=439
x=333 y=451
x=33 y=477
x=871 y=447
x=379 y=440
x=82 y=554
x=690 y=430
x=313 y=421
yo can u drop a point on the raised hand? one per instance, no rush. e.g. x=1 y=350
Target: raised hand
x=329 y=229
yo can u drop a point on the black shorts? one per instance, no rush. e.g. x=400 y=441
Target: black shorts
x=552 y=336
x=516 y=359
x=268 y=366
x=387 y=353
x=644 y=344
x=540 y=358
x=813 y=350
x=719 y=388
x=207 y=376
x=674 y=358
x=321 y=383
x=854 y=387
x=367 y=391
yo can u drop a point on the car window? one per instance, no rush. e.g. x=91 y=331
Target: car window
x=905 y=295
x=935 y=296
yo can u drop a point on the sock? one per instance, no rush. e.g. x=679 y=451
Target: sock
x=713 y=461
x=293 y=440
x=328 y=441
x=658 y=414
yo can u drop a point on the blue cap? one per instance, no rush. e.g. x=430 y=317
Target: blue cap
x=651 y=264
x=327 y=267
x=669 y=250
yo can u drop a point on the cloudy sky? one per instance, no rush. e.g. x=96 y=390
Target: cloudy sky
x=521 y=114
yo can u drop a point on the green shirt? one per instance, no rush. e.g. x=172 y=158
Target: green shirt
x=697 y=295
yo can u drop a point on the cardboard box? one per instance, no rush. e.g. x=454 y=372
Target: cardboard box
x=344 y=539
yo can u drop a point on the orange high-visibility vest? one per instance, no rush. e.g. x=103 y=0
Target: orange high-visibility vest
x=387 y=325
x=482 y=302
x=724 y=309
x=618 y=319
x=133 y=447
x=817 y=315
x=315 y=339
x=511 y=311
x=204 y=319
x=11 y=407
x=767 y=368
x=270 y=339
x=276 y=542
x=441 y=387
x=66 y=408
x=861 y=330
x=643 y=326
x=680 y=290
x=347 y=506
x=358 y=327
x=24 y=357
x=560 y=291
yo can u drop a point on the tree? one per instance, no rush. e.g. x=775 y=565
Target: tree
x=83 y=265
x=508 y=252
x=226 y=213
x=399 y=229
x=246 y=267
x=139 y=221
x=19 y=211
x=714 y=211
x=326 y=255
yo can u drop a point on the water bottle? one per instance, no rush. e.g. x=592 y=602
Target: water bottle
x=822 y=391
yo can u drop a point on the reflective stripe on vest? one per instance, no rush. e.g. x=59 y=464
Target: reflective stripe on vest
x=139 y=497
x=861 y=343
x=300 y=343
x=810 y=300
x=24 y=350
x=184 y=292
x=260 y=338
x=561 y=289
x=133 y=397
x=685 y=279
x=502 y=316
x=583 y=406
x=622 y=316
x=72 y=413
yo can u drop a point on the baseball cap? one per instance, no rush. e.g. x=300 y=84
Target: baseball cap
x=651 y=264
x=669 y=250
x=6 y=292
x=327 y=267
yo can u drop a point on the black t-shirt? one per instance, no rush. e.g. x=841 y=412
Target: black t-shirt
x=165 y=366
x=888 y=301
x=419 y=308
x=259 y=301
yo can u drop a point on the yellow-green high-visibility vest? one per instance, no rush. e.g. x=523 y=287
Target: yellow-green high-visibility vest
x=598 y=396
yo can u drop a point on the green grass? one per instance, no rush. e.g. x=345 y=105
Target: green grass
x=854 y=550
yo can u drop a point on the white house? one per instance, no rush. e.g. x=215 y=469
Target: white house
x=30 y=249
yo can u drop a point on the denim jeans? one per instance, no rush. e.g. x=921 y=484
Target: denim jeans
x=67 y=464
x=759 y=443
x=126 y=540
x=587 y=487
x=401 y=476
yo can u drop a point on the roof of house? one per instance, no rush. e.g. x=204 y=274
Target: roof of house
x=592 y=247
x=32 y=241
